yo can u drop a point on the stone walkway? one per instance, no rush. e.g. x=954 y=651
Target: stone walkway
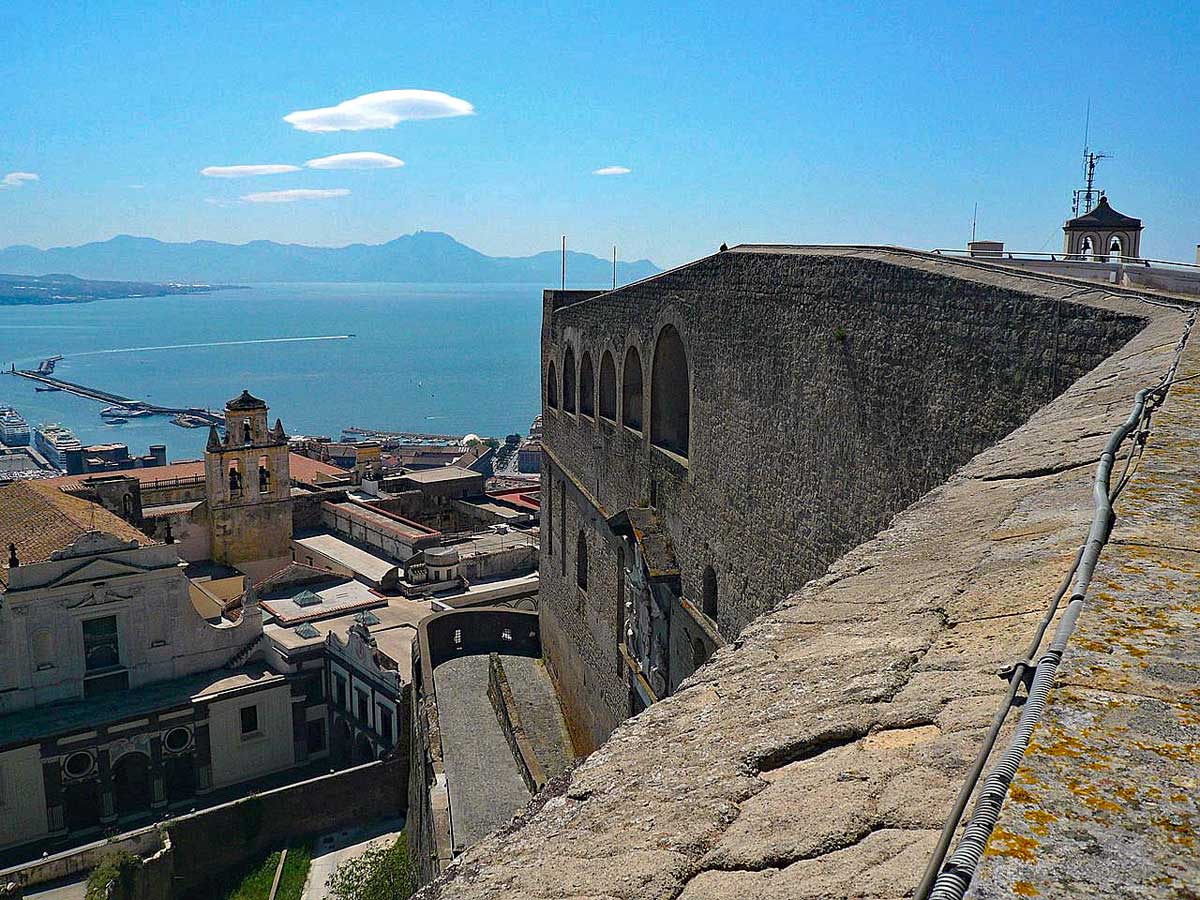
x=818 y=756
x=537 y=705
x=486 y=788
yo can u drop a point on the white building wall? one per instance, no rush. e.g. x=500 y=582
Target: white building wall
x=236 y=758
x=22 y=796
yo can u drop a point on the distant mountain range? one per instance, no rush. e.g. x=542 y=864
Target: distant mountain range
x=426 y=256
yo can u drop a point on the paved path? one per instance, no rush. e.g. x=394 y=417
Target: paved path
x=331 y=850
x=67 y=889
x=540 y=714
x=486 y=787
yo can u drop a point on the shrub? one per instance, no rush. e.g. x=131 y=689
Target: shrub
x=113 y=878
x=379 y=874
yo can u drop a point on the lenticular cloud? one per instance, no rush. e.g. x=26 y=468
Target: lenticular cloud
x=382 y=109
x=363 y=159
x=246 y=171
x=291 y=196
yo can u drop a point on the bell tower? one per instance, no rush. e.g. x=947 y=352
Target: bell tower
x=248 y=488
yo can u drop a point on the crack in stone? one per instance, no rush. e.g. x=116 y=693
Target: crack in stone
x=808 y=748
x=1038 y=472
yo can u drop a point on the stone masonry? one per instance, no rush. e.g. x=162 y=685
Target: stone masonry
x=818 y=755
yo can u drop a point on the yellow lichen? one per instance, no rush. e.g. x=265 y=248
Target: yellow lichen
x=1025 y=889
x=1008 y=843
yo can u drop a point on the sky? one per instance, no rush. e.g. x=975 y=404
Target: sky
x=716 y=122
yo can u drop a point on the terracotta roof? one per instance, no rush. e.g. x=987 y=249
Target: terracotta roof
x=40 y=519
x=246 y=400
x=302 y=469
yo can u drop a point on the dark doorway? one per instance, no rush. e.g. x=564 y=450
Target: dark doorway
x=81 y=804
x=131 y=784
x=363 y=751
x=179 y=777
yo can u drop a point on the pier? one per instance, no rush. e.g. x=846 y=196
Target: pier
x=185 y=417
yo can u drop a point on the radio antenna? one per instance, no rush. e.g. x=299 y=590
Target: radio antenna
x=614 y=267
x=564 y=262
x=974 y=219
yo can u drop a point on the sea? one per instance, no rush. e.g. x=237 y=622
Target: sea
x=446 y=359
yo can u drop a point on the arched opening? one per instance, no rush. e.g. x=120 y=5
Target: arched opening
x=708 y=593
x=631 y=390
x=179 y=777
x=1114 y=248
x=246 y=435
x=235 y=476
x=581 y=562
x=552 y=386
x=264 y=475
x=131 y=783
x=569 y=381
x=1087 y=249
x=127 y=506
x=670 y=394
x=608 y=388
x=587 y=386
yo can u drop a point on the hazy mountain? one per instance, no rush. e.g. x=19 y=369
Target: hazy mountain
x=426 y=256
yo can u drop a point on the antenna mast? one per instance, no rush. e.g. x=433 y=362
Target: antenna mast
x=1088 y=195
x=974 y=219
x=564 y=263
x=614 y=267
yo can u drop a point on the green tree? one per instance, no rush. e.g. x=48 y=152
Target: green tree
x=379 y=874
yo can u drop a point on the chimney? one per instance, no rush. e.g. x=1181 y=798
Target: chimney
x=13 y=561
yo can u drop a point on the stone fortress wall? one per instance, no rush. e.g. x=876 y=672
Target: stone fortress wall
x=818 y=755
x=827 y=393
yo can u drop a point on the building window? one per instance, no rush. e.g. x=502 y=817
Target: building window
x=315 y=737
x=552 y=386
x=587 y=387
x=100 y=645
x=264 y=475
x=249 y=720
x=608 y=388
x=708 y=593
x=364 y=711
x=581 y=561
x=631 y=390
x=569 y=381
x=79 y=765
x=314 y=689
x=670 y=394
x=339 y=691
x=43 y=650
x=177 y=740
x=235 y=477
x=385 y=725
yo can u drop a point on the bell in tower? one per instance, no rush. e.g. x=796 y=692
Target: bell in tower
x=248 y=488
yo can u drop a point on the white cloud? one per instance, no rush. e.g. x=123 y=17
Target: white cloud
x=246 y=171
x=612 y=170
x=382 y=109
x=16 y=179
x=291 y=196
x=363 y=159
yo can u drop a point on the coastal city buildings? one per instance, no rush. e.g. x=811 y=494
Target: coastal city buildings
x=176 y=632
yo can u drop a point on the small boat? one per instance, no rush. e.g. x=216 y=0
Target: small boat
x=115 y=420
x=46 y=390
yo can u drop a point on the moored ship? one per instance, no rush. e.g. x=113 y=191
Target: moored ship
x=59 y=445
x=14 y=430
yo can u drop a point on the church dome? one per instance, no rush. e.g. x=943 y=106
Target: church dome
x=1104 y=216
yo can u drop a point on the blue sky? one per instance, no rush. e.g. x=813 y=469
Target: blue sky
x=738 y=122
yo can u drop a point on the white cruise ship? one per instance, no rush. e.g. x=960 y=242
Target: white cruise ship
x=55 y=442
x=14 y=430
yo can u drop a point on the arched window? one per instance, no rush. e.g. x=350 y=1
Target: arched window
x=631 y=390
x=552 y=386
x=1114 y=248
x=608 y=387
x=708 y=593
x=670 y=394
x=581 y=562
x=569 y=381
x=1087 y=249
x=264 y=475
x=235 y=476
x=587 y=386
x=246 y=436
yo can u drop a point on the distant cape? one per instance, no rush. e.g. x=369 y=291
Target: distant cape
x=425 y=256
